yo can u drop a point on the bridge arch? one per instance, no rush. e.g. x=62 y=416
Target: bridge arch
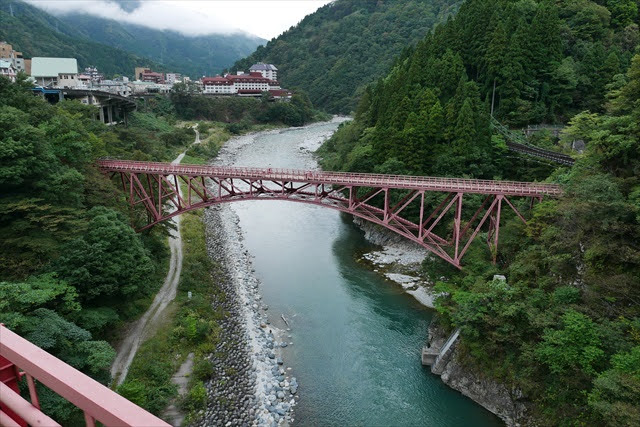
x=190 y=187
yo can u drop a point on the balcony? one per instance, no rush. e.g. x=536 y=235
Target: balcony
x=21 y=360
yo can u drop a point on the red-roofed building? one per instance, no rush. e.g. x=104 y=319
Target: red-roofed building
x=252 y=84
x=153 y=77
x=280 y=94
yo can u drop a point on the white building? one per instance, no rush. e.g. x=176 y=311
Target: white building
x=268 y=71
x=8 y=70
x=94 y=74
x=138 y=87
x=218 y=85
x=55 y=72
x=84 y=81
x=173 y=78
x=252 y=84
x=117 y=86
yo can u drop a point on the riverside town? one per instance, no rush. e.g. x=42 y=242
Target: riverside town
x=320 y=213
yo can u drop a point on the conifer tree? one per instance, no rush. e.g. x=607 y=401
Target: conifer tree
x=465 y=131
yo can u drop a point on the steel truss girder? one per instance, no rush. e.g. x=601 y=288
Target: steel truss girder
x=163 y=198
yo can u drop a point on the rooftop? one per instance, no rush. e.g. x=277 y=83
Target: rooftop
x=51 y=67
x=262 y=66
x=5 y=64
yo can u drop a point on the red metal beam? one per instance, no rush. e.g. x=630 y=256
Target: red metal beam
x=475 y=186
x=236 y=184
x=96 y=400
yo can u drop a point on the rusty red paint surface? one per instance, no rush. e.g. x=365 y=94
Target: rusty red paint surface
x=154 y=184
x=97 y=401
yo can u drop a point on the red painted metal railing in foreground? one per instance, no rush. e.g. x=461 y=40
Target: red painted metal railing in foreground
x=153 y=184
x=19 y=358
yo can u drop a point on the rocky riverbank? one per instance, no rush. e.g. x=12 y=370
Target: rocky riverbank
x=250 y=385
x=497 y=398
x=398 y=260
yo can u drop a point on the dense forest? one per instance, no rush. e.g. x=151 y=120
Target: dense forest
x=240 y=113
x=563 y=332
x=547 y=61
x=117 y=48
x=72 y=268
x=336 y=51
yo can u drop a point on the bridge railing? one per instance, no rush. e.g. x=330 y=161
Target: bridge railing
x=97 y=401
x=340 y=178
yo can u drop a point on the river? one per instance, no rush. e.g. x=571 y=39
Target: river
x=356 y=338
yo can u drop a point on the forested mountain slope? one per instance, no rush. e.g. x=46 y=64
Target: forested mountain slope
x=547 y=61
x=333 y=53
x=72 y=268
x=36 y=33
x=117 y=48
x=563 y=332
x=191 y=55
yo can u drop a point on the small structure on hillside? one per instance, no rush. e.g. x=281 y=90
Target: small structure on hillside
x=55 y=72
x=19 y=62
x=7 y=69
x=94 y=75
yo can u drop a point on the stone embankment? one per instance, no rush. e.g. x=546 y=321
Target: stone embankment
x=497 y=398
x=399 y=261
x=250 y=385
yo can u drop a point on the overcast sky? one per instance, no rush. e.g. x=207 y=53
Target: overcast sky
x=264 y=18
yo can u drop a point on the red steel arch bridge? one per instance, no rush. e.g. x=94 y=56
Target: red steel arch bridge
x=166 y=190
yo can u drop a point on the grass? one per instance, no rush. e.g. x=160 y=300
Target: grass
x=191 y=327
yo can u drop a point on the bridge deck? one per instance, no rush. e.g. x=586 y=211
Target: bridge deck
x=419 y=183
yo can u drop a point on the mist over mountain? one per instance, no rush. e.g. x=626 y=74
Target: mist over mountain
x=127 y=5
x=37 y=33
x=117 y=48
x=192 y=55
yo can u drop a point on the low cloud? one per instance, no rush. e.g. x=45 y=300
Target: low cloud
x=162 y=15
x=266 y=19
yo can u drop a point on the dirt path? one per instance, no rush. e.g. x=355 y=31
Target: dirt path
x=195 y=129
x=173 y=414
x=146 y=325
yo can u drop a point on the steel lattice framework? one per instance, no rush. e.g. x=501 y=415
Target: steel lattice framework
x=156 y=186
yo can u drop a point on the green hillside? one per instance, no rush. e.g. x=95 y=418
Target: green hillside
x=117 y=48
x=36 y=33
x=563 y=331
x=335 y=52
x=192 y=55
x=547 y=62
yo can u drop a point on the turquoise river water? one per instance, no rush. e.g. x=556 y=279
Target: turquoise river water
x=356 y=337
